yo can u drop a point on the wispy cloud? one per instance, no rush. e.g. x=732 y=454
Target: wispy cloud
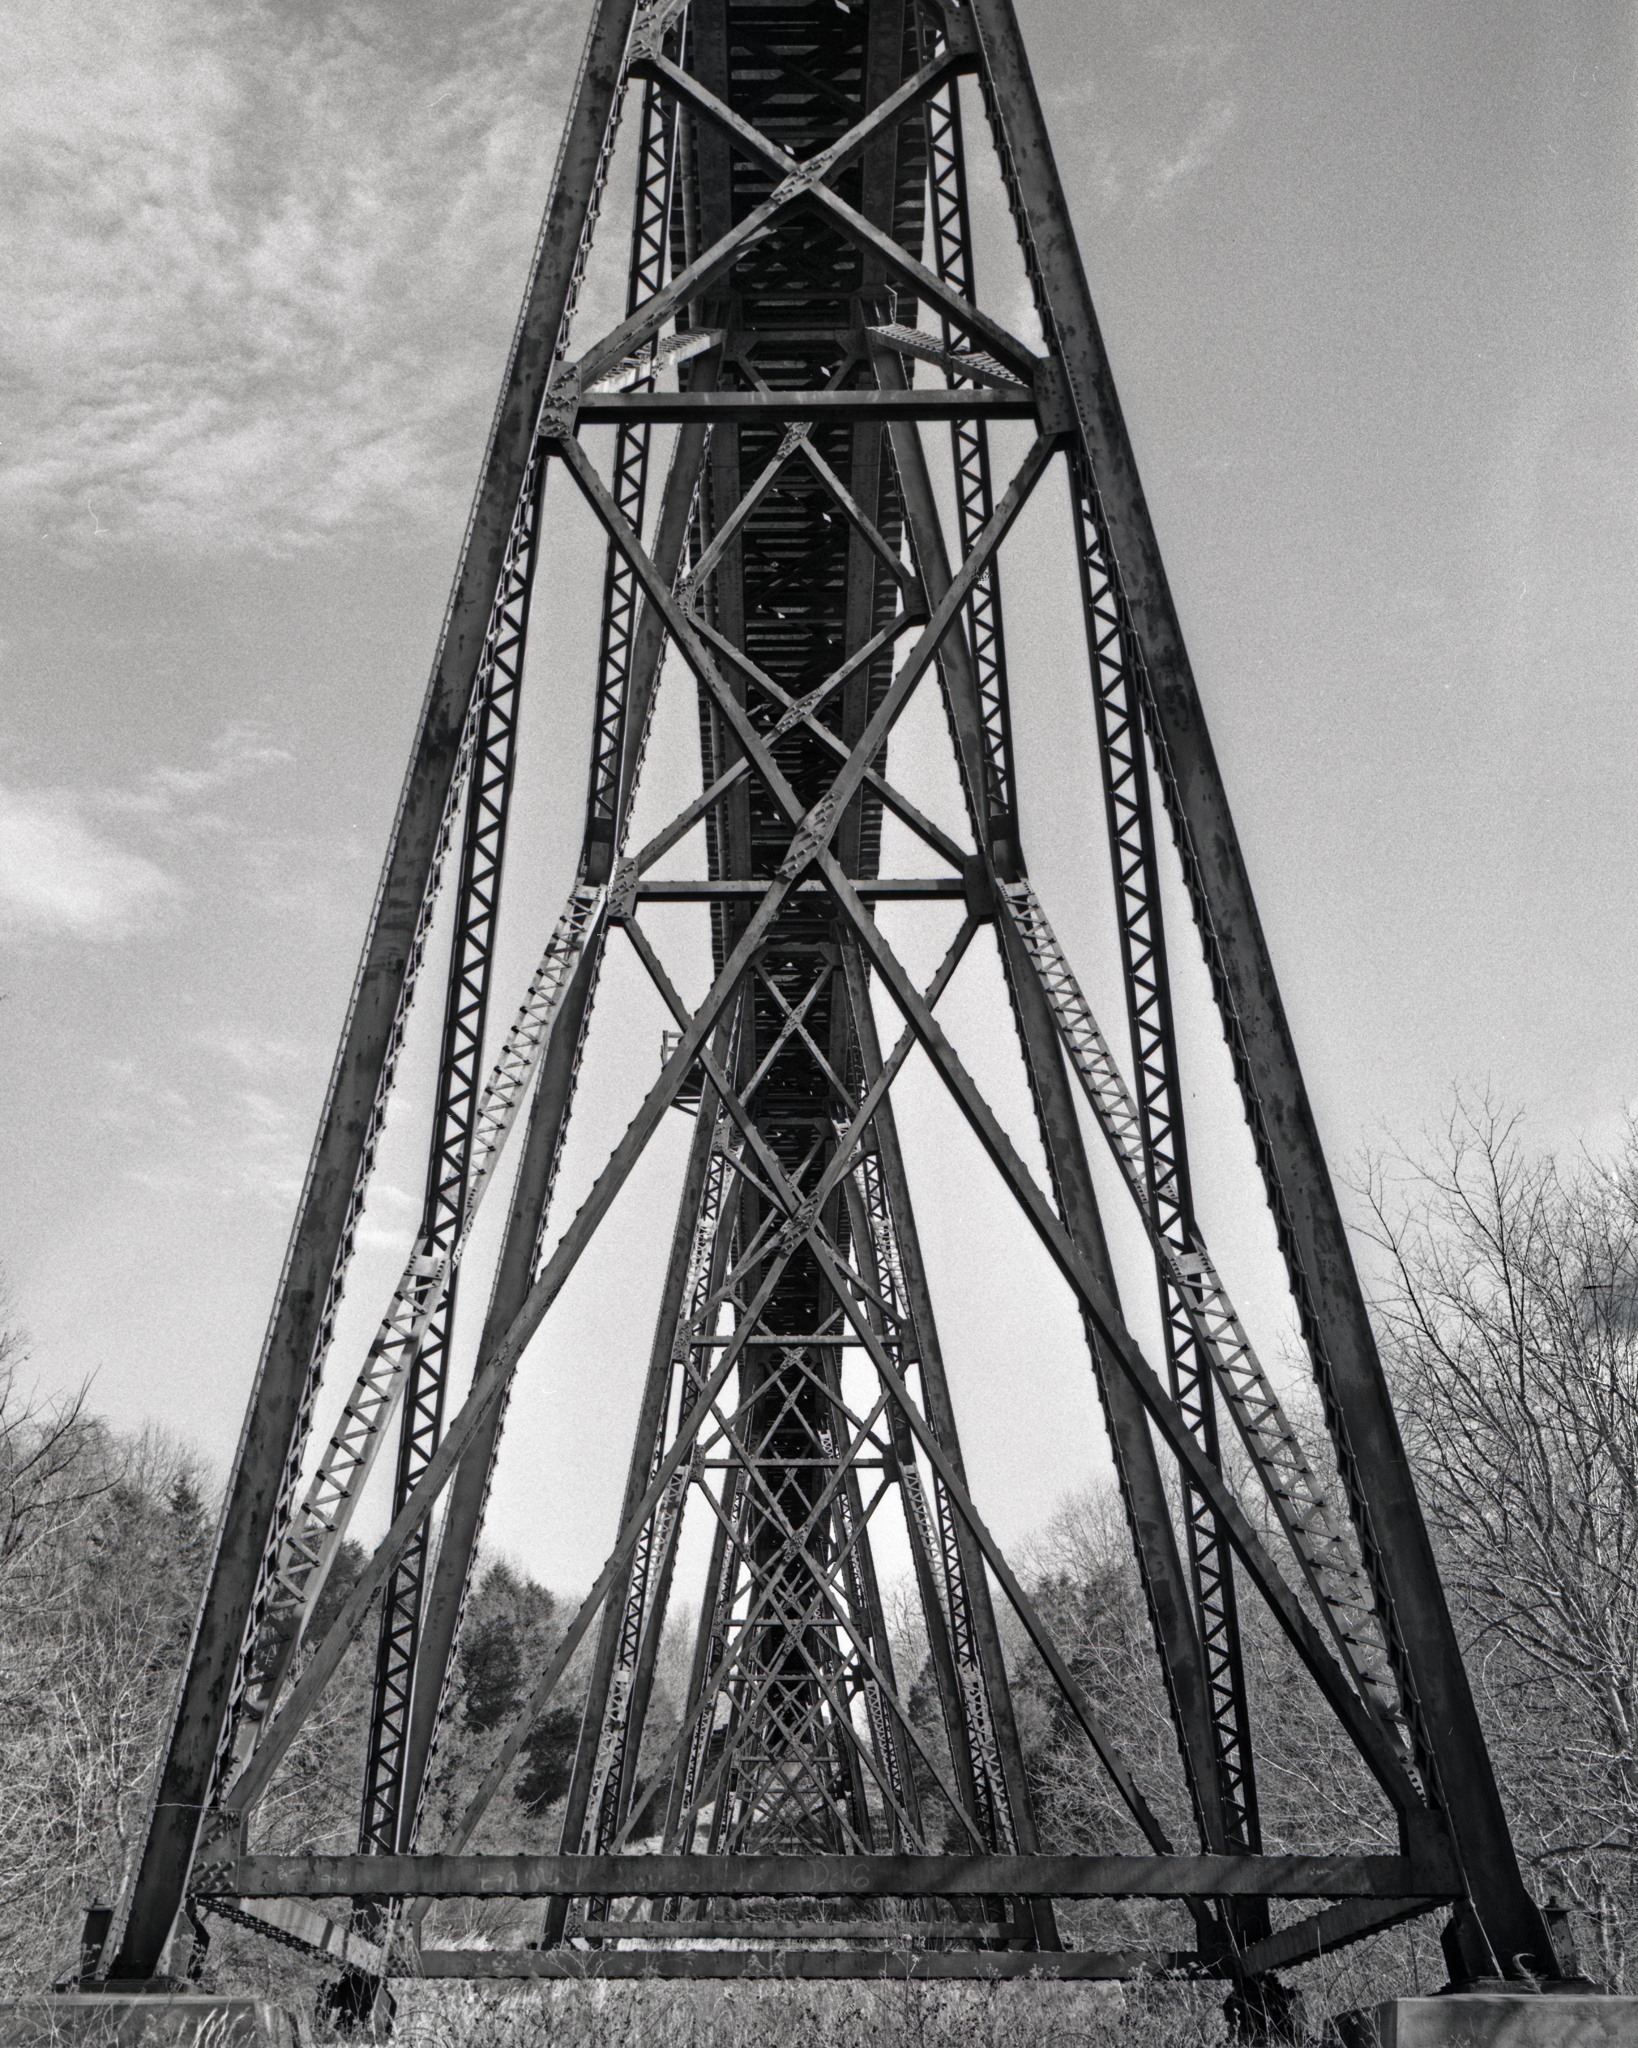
x=271 y=1145
x=214 y=222
x=171 y=798
x=1200 y=145
x=68 y=867
x=1136 y=149
x=389 y=1221
x=1193 y=42
x=213 y=1138
x=259 y=1054
x=61 y=876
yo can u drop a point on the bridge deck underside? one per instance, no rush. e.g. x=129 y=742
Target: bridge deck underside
x=798 y=594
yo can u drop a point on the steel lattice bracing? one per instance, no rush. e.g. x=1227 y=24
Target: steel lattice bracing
x=804 y=318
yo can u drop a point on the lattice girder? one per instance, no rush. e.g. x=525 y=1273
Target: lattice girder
x=802 y=301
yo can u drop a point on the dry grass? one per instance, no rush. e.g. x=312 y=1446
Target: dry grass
x=751 y=2015
x=745 y=2013
x=737 y=2015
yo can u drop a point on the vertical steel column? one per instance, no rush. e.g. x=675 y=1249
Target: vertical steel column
x=1211 y=1573
x=650 y=244
x=401 y=1737
x=865 y=1598
x=1433 y=1683
x=1171 y=1199
x=728 y=838
x=717 y=1602
x=868 y=475
x=710 y=1647
x=267 y=1463
x=861 y=1596
x=987 y=1711
x=879 y=1263
x=466 y=1009
x=600 y=1735
x=718 y=1205
x=543 y=1143
x=952 y=253
x=1137 y=1466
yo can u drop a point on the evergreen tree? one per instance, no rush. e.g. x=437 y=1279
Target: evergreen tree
x=548 y=1751
x=491 y=1672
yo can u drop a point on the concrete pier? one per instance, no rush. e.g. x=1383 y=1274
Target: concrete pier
x=1493 y=2019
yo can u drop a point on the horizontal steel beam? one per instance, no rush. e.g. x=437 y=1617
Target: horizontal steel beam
x=906 y=1963
x=891 y=887
x=747 y=1877
x=779 y=1340
x=601 y=408
x=899 y=1931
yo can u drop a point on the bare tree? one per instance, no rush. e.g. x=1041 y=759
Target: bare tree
x=1511 y=1323
x=100 y=1553
x=42 y=1447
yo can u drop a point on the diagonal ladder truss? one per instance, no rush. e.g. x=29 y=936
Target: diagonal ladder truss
x=802 y=300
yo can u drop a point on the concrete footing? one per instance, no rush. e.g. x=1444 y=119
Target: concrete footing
x=102 y=2019
x=1493 y=2019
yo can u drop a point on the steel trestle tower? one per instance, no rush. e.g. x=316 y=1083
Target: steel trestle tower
x=802 y=316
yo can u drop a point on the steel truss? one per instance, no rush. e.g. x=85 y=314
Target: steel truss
x=801 y=298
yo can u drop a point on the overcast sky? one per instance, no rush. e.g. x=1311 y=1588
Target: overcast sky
x=1367 y=276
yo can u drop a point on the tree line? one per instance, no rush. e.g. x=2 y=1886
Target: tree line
x=1506 y=1292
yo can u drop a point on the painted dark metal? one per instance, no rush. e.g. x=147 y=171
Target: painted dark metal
x=268 y=1457
x=981 y=736
x=838 y=1877
x=791 y=159
x=460 y=1072
x=911 y=1964
x=1450 y=1743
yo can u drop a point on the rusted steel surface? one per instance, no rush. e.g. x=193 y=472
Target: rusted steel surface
x=800 y=254
x=1433 y=1681
x=749 y=1877
x=910 y=1965
x=281 y=1398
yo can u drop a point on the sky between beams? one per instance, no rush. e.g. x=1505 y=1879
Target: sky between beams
x=1367 y=278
